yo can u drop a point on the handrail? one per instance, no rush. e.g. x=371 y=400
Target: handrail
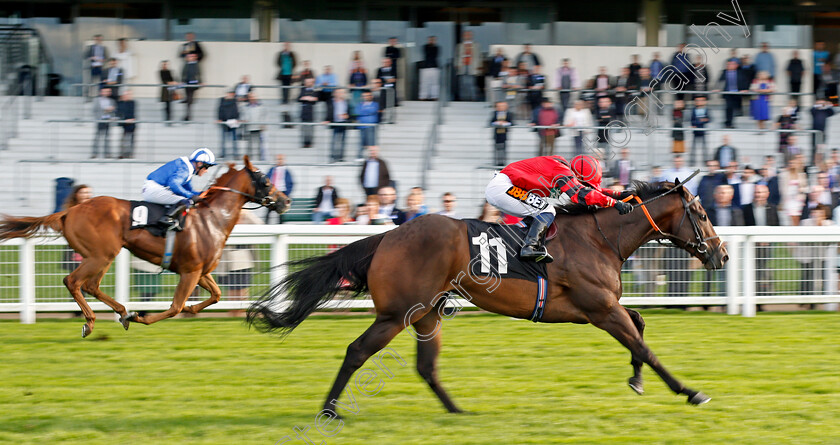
x=241 y=123
x=432 y=138
x=634 y=92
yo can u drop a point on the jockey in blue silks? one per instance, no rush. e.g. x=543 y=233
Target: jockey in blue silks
x=170 y=183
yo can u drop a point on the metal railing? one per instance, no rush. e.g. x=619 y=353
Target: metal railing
x=768 y=265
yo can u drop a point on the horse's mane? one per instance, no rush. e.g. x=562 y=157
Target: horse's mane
x=224 y=179
x=642 y=189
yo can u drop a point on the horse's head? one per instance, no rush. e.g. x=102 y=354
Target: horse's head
x=264 y=191
x=691 y=230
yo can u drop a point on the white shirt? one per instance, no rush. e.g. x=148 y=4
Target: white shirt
x=126 y=62
x=279 y=178
x=578 y=118
x=371 y=179
x=326 y=204
x=682 y=173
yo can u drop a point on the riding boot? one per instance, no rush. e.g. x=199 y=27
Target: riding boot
x=534 y=248
x=172 y=220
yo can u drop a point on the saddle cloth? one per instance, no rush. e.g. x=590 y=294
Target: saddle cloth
x=497 y=247
x=147 y=215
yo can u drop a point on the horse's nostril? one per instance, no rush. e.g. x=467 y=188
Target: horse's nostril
x=288 y=202
x=725 y=258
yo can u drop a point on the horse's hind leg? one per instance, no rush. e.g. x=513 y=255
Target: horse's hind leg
x=208 y=283
x=89 y=270
x=428 y=348
x=635 y=382
x=91 y=286
x=74 y=285
x=620 y=325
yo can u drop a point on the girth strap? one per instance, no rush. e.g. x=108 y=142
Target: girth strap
x=542 y=293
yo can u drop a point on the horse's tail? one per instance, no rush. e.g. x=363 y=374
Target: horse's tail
x=28 y=226
x=314 y=282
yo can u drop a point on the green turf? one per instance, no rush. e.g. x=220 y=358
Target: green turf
x=773 y=380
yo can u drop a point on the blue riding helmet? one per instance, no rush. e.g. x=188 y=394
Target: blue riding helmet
x=204 y=155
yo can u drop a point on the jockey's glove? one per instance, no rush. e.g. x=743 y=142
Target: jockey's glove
x=623 y=207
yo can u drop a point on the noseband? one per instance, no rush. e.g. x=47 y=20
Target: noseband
x=261 y=196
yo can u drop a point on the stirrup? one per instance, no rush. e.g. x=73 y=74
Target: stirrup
x=538 y=254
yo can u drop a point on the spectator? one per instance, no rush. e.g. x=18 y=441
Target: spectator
x=228 y=120
x=820 y=57
x=125 y=59
x=368 y=113
x=815 y=198
x=342 y=212
x=602 y=83
x=605 y=114
x=421 y=194
x=326 y=201
x=127 y=111
x=358 y=76
x=104 y=110
x=449 y=202
x=414 y=207
x=701 y=77
x=634 y=66
x=678 y=136
x=254 y=114
x=326 y=82
x=579 y=116
x=726 y=153
x=393 y=52
x=242 y=89
x=281 y=179
x=388 y=205
x=547 y=116
x=795 y=69
x=500 y=120
x=370 y=213
x=724 y=213
x=308 y=97
x=567 y=79
x=733 y=57
x=811 y=256
x=490 y=214
x=387 y=74
x=760 y=106
x=820 y=112
x=732 y=80
x=191 y=47
x=374 y=174
x=793 y=148
x=498 y=71
x=700 y=117
x=656 y=66
x=645 y=88
x=787 y=121
x=380 y=98
x=191 y=78
x=748 y=68
x=679 y=170
x=530 y=59
x=113 y=78
x=168 y=93
x=746 y=188
x=625 y=86
x=709 y=182
x=430 y=71
x=829 y=82
x=792 y=184
x=286 y=63
x=683 y=66
x=467 y=61
x=523 y=77
x=762 y=213
x=96 y=54
x=764 y=61
x=656 y=174
x=622 y=169
x=536 y=85
x=337 y=113
x=305 y=73
x=732 y=179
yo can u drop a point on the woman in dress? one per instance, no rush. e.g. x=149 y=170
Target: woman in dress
x=760 y=106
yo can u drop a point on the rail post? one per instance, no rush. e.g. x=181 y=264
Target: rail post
x=27 y=281
x=748 y=299
x=732 y=298
x=122 y=279
x=279 y=256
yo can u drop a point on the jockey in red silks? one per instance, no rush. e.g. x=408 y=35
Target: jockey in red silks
x=520 y=189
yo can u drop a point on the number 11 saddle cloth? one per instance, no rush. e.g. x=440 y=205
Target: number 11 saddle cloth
x=494 y=250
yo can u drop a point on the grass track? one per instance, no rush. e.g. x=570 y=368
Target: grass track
x=774 y=379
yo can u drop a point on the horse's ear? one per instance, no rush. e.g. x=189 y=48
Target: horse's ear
x=231 y=166
x=676 y=182
x=247 y=162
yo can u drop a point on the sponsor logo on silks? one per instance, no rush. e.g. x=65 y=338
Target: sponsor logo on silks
x=527 y=197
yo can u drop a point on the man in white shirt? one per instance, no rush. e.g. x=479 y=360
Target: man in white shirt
x=325 y=201
x=681 y=172
x=579 y=116
x=449 y=202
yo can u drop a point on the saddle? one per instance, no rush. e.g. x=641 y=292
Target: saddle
x=550 y=234
x=147 y=215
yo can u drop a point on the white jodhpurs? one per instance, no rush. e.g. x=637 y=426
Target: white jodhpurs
x=154 y=192
x=514 y=201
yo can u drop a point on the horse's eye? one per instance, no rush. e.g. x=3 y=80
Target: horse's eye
x=702 y=217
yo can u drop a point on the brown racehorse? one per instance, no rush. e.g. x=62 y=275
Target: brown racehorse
x=98 y=228
x=407 y=268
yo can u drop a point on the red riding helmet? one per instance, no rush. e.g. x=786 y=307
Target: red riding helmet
x=587 y=169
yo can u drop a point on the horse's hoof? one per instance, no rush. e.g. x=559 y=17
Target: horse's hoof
x=636 y=385
x=86 y=331
x=126 y=321
x=699 y=398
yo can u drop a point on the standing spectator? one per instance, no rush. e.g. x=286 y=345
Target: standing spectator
x=602 y=83
x=497 y=72
x=393 y=52
x=546 y=116
x=449 y=202
x=680 y=171
x=370 y=213
x=305 y=73
x=732 y=179
x=746 y=188
x=126 y=59
x=127 y=111
x=104 y=110
x=326 y=82
x=760 y=106
x=656 y=66
x=191 y=47
x=388 y=205
x=374 y=174
x=380 y=98
x=530 y=59
x=625 y=85
x=368 y=113
x=281 y=179
x=795 y=69
x=605 y=114
x=169 y=92
x=228 y=120
x=536 y=85
x=634 y=66
x=342 y=212
x=579 y=116
x=760 y=212
x=700 y=117
x=113 y=78
x=96 y=54
x=787 y=121
x=253 y=113
x=500 y=120
x=191 y=78
x=308 y=97
x=622 y=169
x=748 y=68
x=430 y=71
x=724 y=213
x=645 y=90
x=733 y=57
x=793 y=148
x=242 y=89
x=567 y=79
x=732 y=81
x=325 y=201
x=792 y=185
x=764 y=61
x=678 y=113
x=413 y=207
x=338 y=112
x=726 y=153
x=286 y=63
x=387 y=74
x=820 y=112
x=701 y=78
x=829 y=82
x=358 y=76
x=709 y=182
x=683 y=66
x=467 y=61
x=820 y=57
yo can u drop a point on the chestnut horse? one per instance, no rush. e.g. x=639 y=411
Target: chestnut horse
x=407 y=269
x=98 y=228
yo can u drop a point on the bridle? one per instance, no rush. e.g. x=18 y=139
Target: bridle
x=261 y=188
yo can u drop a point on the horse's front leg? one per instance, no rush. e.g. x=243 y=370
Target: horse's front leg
x=207 y=282
x=182 y=292
x=636 y=382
